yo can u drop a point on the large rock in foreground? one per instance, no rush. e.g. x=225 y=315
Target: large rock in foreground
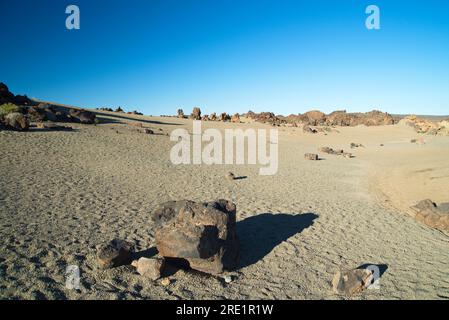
x=352 y=281
x=204 y=234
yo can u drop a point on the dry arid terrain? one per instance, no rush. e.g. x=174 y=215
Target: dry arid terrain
x=62 y=193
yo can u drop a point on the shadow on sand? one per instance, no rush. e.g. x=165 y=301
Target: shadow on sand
x=260 y=234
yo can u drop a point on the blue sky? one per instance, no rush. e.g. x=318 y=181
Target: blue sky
x=222 y=55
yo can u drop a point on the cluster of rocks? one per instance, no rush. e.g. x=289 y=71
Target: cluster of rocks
x=17 y=113
x=339 y=152
x=120 y=110
x=197 y=115
x=327 y=150
x=317 y=118
x=202 y=235
x=428 y=213
x=424 y=126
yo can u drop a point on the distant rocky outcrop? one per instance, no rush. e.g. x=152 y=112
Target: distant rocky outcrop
x=425 y=126
x=318 y=118
x=7 y=97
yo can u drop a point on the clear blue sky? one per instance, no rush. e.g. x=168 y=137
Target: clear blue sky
x=223 y=55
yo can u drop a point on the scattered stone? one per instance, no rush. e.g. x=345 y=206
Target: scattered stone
x=148 y=131
x=311 y=156
x=204 y=234
x=351 y=282
x=307 y=129
x=356 y=145
x=331 y=151
x=150 y=268
x=419 y=141
x=114 y=254
x=347 y=155
x=227 y=279
x=230 y=176
x=16 y=121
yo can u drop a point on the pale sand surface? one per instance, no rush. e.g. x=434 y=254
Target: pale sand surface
x=63 y=193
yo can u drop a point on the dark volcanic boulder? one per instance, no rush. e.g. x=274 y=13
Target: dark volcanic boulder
x=204 y=234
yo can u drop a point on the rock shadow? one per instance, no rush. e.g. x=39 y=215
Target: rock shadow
x=259 y=235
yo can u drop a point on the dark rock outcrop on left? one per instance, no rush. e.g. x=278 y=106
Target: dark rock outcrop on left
x=7 y=97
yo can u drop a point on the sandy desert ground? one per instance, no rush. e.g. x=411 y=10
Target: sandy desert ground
x=63 y=193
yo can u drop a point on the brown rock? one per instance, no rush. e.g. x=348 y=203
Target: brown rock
x=213 y=117
x=351 y=282
x=204 y=234
x=196 y=114
x=235 y=118
x=428 y=213
x=150 y=268
x=114 y=254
